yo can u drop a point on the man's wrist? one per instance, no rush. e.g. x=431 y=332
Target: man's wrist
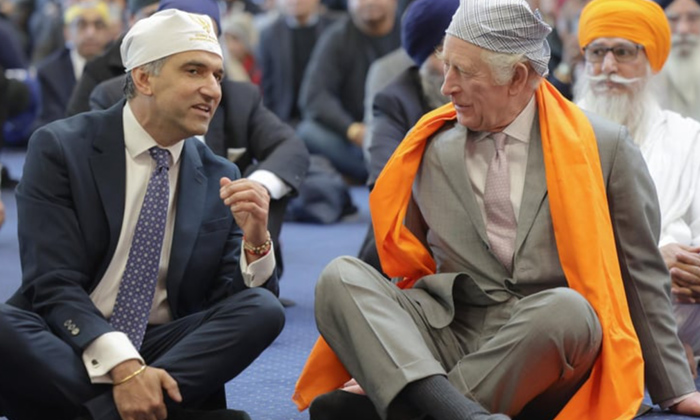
x=124 y=369
x=258 y=248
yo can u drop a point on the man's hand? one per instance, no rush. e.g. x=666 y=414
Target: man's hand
x=683 y=262
x=356 y=133
x=250 y=203
x=353 y=386
x=690 y=406
x=142 y=397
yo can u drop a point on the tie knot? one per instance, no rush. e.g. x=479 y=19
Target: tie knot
x=500 y=140
x=160 y=156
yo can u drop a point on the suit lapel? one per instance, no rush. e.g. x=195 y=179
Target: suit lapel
x=191 y=194
x=535 y=188
x=452 y=160
x=108 y=165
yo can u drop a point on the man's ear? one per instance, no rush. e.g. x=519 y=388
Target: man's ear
x=142 y=81
x=521 y=77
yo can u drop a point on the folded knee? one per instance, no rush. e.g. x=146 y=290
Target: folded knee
x=565 y=315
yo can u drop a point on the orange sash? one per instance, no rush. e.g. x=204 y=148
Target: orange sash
x=585 y=242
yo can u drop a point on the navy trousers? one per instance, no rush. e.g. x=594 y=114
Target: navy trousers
x=42 y=376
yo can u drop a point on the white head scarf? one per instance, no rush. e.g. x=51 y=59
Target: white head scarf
x=166 y=33
x=504 y=26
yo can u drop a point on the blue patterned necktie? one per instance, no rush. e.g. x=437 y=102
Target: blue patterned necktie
x=135 y=296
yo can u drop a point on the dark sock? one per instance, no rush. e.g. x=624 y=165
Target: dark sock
x=436 y=397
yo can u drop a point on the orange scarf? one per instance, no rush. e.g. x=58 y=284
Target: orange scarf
x=585 y=243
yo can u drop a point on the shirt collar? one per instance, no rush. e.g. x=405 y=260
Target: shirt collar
x=519 y=129
x=138 y=141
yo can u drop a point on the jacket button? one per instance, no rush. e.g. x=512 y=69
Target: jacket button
x=68 y=322
x=75 y=331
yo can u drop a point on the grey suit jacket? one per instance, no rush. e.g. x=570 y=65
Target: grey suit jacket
x=443 y=194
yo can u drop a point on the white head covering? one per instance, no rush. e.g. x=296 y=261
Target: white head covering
x=504 y=26
x=166 y=33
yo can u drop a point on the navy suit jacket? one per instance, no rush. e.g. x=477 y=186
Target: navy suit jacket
x=71 y=206
x=57 y=80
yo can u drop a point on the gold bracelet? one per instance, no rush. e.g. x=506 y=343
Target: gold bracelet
x=260 y=250
x=132 y=376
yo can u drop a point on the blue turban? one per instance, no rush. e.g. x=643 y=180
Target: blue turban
x=423 y=27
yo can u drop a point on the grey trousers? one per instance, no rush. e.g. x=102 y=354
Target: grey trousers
x=525 y=357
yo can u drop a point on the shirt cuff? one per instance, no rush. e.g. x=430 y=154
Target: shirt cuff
x=669 y=403
x=106 y=352
x=259 y=271
x=274 y=184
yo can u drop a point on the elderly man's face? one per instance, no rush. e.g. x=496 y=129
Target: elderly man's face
x=469 y=83
x=684 y=18
x=185 y=93
x=615 y=65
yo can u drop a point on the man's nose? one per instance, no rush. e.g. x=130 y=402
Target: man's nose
x=609 y=64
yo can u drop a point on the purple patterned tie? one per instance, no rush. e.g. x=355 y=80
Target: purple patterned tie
x=135 y=296
x=500 y=217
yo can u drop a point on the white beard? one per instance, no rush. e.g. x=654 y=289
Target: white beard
x=683 y=67
x=632 y=107
x=431 y=84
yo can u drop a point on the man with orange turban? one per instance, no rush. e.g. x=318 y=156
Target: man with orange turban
x=524 y=232
x=616 y=84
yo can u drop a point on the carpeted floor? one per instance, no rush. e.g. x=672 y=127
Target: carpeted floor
x=264 y=389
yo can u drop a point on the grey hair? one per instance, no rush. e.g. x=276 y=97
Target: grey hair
x=153 y=68
x=502 y=65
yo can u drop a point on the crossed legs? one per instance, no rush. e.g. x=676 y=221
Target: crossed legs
x=522 y=356
x=43 y=377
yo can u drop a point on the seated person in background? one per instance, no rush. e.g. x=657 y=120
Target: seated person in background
x=621 y=61
x=242 y=130
x=414 y=92
x=240 y=39
x=108 y=64
x=284 y=50
x=531 y=296
x=148 y=281
x=679 y=83
x=333 y=87
x=87 y=32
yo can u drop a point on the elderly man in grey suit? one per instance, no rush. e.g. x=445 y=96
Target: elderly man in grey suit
x=527 y=230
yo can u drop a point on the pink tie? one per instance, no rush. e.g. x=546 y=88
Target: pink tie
x=500 y=217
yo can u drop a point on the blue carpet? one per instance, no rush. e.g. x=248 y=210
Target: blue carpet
x=265 y=388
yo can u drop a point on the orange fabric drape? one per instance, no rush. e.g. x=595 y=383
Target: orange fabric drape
x=584 y=239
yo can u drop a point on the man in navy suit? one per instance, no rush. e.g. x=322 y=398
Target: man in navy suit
x=87 y=32
x=213 y=306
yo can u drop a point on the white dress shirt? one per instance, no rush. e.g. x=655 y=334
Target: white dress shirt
x=112 y=348
x=78 y=62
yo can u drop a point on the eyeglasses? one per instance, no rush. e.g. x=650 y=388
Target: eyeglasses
x=623 y=53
